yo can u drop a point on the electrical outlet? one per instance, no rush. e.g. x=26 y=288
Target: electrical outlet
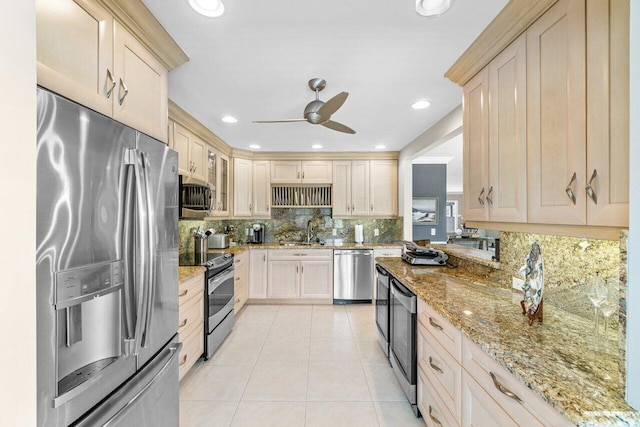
x=334 y=232
x=376 y=232
x=517 y=283
x=433 y=231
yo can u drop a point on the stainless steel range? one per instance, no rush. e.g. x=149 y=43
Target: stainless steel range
x=218 y=300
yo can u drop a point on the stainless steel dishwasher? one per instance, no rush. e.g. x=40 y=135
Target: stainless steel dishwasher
x=352 y=276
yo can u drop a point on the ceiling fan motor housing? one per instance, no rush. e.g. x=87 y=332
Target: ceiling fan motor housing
x=311 y=112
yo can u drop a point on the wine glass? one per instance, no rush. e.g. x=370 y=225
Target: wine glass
x=597 y=293
x=610 y=303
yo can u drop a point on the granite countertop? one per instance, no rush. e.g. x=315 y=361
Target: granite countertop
x=558 y=359
x=188 y=272
x=240 y=248
x=471 y=254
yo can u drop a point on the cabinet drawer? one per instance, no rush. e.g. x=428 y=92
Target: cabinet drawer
x=481 y=366
x=444 y=332
x=189 y=317
x=301 y=254
x=192 y=349
x=434 y=412
x=191 y=288
x=480 y=409
x=442 y=370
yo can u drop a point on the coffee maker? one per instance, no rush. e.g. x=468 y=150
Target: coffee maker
x=258 y=234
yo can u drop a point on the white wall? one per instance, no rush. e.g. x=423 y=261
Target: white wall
x=17 y=215
x=448 y=127
x=633 y=296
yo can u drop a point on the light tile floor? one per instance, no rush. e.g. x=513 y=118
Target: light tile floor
x=297 y=365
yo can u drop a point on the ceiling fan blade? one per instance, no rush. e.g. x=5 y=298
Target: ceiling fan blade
x=338 y=126
x=280 y=121
x=332 y=105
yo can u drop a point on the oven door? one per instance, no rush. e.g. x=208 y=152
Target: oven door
x=403 y=338
x=219 y=297
x=382 y=308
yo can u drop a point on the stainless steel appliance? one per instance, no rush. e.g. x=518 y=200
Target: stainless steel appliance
x=403 y=344
x=218 y=301
x=420 y=255
x=382 y=308
x=218 y=241
x=257 y=235
x=106 y=269
x=196 y=200
x=352 y=276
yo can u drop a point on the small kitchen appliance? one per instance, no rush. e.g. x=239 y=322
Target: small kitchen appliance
x=257 y=234
x=218 y=241
x=419 y=255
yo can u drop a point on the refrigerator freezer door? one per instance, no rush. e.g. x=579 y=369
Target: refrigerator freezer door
x=150 y=399
x=160 y=302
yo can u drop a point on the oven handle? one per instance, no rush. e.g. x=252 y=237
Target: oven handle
x=215 y=281
x=406 y=297
x=381 y=271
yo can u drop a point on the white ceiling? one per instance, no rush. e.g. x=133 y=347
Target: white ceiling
x=254 y=63
x=449 y=153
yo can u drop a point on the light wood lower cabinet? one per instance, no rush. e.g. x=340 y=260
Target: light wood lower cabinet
x=258 y=274
x=241 y=280
x=190 y=322
x=296 y=274
x=460 y=384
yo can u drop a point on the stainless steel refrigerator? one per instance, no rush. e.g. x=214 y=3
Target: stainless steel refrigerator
x=106 y=270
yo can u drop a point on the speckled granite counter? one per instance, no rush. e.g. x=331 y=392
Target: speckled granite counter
x=559 y=359
x=186 y=273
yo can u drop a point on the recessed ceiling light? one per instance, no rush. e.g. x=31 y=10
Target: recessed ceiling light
x=380 y=147
x=209 y=8
x=254 y=146
x=432 y=8
x=229 y=119
x=420 y=105
x=316 y=146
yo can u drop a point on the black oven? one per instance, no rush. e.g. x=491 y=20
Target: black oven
x=382 y=308
x=403 y=344
x=218 y=301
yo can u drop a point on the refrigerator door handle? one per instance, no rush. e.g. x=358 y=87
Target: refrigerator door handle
x=128 y=261
x=151 y=267
x=143 y=252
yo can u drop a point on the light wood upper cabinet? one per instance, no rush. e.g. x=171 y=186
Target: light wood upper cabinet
x=192 y=154
x=75 y=51
x=383 y=187
x=556 y=113
x=608 y=112
x=341 y=190
x=261 y=189
x=506 y=197
x=85 y=54
x=242 y=195
x=218 y=180
x=305 y=172
x=360 y=188
x=141 y=98
x=475 y=146
x=258 y=274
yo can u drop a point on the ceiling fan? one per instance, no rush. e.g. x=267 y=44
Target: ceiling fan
x=319 y=112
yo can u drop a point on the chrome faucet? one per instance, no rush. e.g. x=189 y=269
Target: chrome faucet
x=309 y=232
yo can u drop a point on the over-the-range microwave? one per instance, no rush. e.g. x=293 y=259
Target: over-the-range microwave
x=195 y=200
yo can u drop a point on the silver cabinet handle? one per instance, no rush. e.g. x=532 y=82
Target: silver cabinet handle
x=250 y=207
x=181 y=294
x=569 y=190
x=489 y=200
x=481 y=198
x=264 y=258
x=126 y=91
x=183 y=323
x=237 y=278
x=297 y=269
x=504 y=390
x=302 y=174
x=433 y=418
x=434 y=366
x=372 y=207
x=434 y=323
x=112 y=84
x=298 y=175
x=590 y=191
x=302 y=269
